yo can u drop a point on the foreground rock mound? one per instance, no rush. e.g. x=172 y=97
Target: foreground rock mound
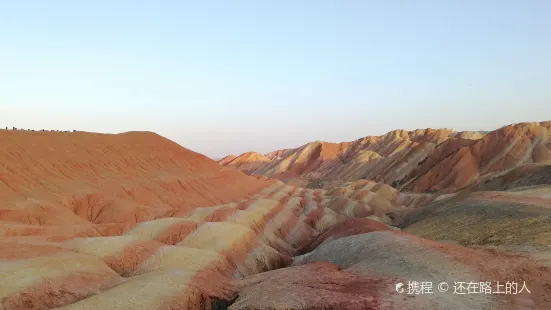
x=361 y=270
x=312 y=286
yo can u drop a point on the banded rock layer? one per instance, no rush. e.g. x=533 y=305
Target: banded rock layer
x=134 y=221
x=427 y=160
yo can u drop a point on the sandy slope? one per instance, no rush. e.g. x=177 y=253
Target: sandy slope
x=83 y=177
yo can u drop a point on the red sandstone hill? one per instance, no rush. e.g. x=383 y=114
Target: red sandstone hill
x=419 y=160
x=83 y=177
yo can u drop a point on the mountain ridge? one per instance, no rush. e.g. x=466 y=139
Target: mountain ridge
x=403 y=157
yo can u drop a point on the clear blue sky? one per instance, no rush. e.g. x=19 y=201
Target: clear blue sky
x=225 y=77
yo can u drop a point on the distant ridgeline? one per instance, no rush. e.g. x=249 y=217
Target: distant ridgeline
x=15 y=128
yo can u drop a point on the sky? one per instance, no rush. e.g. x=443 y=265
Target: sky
x=226 y=77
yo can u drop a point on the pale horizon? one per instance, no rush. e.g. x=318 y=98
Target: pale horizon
x=221 y=78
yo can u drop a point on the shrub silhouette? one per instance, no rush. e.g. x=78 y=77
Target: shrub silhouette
x=314 y=183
